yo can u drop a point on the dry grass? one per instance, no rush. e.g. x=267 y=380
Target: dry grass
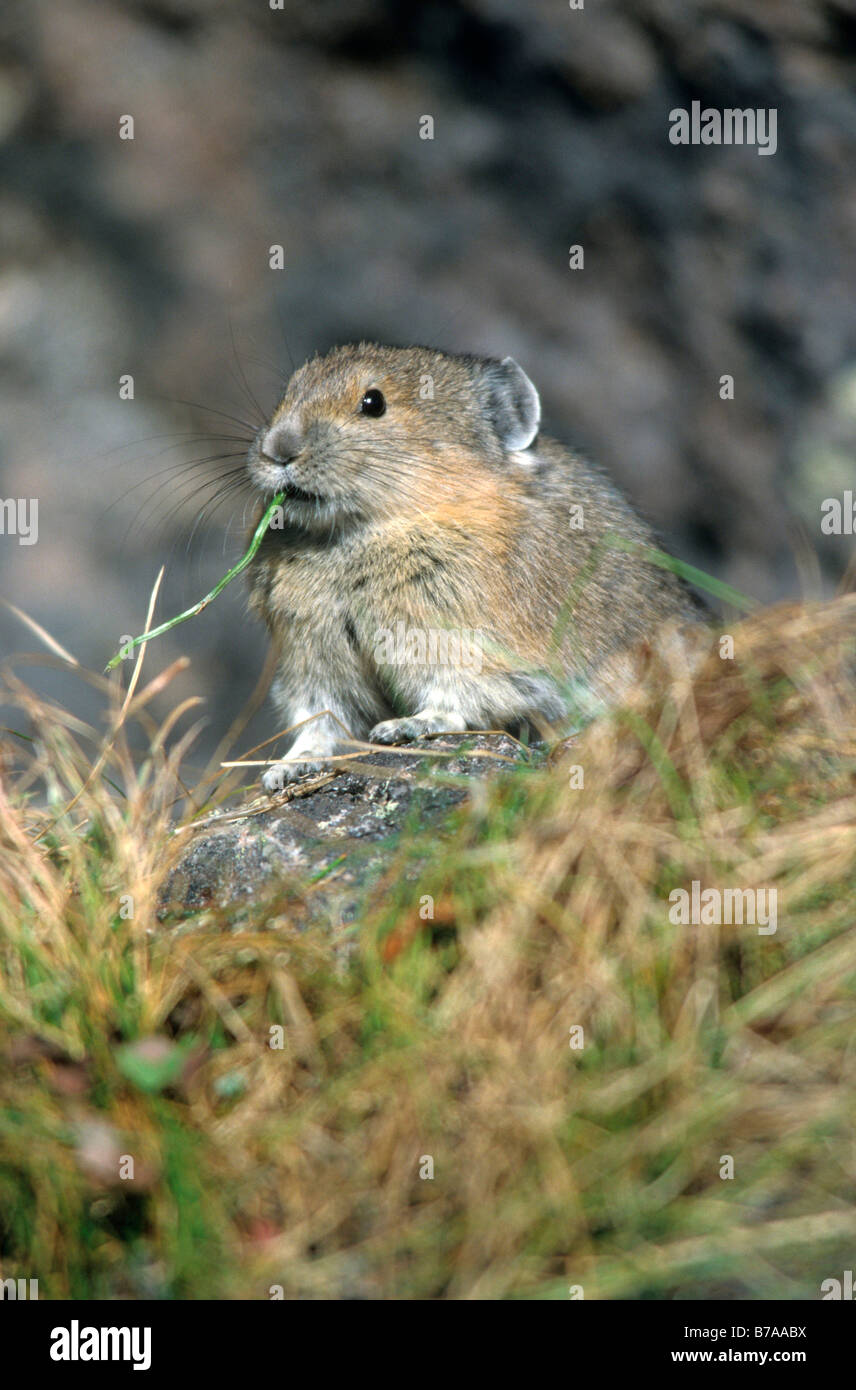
x=449 y=1037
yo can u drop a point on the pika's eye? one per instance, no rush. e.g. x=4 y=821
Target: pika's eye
x=373 y=403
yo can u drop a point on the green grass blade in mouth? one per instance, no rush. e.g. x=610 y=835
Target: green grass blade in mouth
x=258 y=536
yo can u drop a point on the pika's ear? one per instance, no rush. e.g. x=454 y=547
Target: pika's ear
x=510 y=402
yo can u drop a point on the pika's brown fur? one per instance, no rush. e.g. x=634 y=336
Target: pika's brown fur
x=430 y=572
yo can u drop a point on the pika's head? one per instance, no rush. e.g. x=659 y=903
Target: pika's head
x=369 y=431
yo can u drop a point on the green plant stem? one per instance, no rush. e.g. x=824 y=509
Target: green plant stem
x=258 y=536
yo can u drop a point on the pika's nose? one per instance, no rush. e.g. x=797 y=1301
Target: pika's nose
x=281 y=444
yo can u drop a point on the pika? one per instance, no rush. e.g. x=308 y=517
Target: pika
x=439 y=564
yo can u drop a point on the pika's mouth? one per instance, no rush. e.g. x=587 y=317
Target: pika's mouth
x=293 y=493
x=270 y=477
x=274 y=474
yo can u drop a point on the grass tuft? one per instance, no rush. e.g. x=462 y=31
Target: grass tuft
x=445 y=1034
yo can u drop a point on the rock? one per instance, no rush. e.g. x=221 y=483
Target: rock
x=333 y=830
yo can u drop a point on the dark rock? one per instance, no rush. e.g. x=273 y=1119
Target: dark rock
x=334 y=831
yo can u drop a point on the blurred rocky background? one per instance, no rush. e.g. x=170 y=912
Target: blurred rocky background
x=299 y=126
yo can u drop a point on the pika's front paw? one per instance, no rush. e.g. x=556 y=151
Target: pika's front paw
x=278 y=776
x=396 y=731
x=417 y=726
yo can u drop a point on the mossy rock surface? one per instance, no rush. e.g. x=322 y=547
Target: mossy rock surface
x=334 y=829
